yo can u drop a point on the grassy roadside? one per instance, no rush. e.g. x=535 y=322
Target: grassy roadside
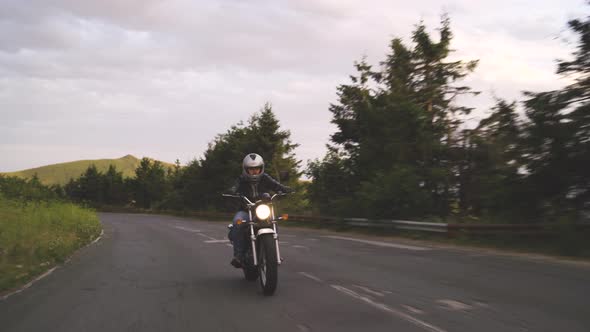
x=35 y=236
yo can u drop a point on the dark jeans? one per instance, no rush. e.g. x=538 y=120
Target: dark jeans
x=237 y=234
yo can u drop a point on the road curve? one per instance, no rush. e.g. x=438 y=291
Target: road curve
x=160 y=273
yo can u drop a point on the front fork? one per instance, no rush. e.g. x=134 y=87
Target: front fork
x=276 y=235
x=253 y=239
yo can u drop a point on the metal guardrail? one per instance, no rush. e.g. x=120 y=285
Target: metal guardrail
x=369 y=223
x=446 y=228
x=421 y=226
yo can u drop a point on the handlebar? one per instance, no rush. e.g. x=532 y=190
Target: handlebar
x=250 y=202
x=279 y=194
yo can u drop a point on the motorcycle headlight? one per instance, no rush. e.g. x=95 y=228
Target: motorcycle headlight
x=262 y=211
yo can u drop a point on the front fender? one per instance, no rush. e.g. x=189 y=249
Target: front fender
x=265 y=231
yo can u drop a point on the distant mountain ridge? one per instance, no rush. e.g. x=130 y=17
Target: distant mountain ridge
x=62 y=173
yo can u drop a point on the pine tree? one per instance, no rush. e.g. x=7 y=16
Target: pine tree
x=113 y=188
x=274 y=144
x=396 y=130
x=149 y=184
x=489 y=175
x=557 y=135
x=205 y=179
x=88 y=187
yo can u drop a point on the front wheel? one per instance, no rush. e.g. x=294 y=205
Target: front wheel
x=267 y=264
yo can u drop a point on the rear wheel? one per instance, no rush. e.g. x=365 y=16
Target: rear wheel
x=267 y=264
x=250 y=271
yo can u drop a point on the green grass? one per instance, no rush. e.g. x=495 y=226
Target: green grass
x=63 y=172
x=36 y=236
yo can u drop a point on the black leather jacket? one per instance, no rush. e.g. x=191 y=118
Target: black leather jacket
x=253 y=191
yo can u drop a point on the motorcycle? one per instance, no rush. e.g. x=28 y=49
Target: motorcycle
x=263 y=255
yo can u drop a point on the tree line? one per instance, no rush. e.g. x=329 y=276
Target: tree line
x=28 y=190
x=198 y=185
x=401 y=148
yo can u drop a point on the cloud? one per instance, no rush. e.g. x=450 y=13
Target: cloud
x=165 y=77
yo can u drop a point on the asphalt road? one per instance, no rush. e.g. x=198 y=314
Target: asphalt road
x=158 y=273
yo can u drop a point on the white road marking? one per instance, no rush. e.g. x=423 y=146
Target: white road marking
x=312 y=239
x=30 y=283
x=368 y=290
x=229 y=245
x=387 y=309
x=481 y=304
x=206 y=236
x=198 y=232
x=454 y=305
x=217 y=241
x=300 y=247
x=187 y=229
x=99 y=237
x=314 y=278
x=378 y=243
x=413 y=310
x=303 y=328
x=48 y=272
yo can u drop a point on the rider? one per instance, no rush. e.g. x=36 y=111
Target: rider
x=252 y=183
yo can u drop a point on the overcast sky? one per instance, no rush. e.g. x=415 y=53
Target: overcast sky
x=102 y=79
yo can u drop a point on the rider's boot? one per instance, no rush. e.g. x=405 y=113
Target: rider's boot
x=236 y=262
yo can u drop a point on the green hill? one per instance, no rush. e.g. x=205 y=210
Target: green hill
x=63 y=172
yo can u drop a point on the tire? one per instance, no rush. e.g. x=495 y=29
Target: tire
x=250 y=273
x=267 y=264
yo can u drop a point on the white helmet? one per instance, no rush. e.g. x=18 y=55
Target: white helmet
x=253 y=160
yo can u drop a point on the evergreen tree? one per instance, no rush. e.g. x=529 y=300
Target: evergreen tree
x=490 y=183
x=204 y=180
x=89 y=186
x=149 y=184
x=396 y=141
x=113 y=186
x=173 y=197
x=267 y=139
x=192 y=186
x=557 y=135
x=27 y=190
x=332 y=189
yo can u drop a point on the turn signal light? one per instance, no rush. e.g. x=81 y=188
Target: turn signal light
x=285 y=216
x=239 y=221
